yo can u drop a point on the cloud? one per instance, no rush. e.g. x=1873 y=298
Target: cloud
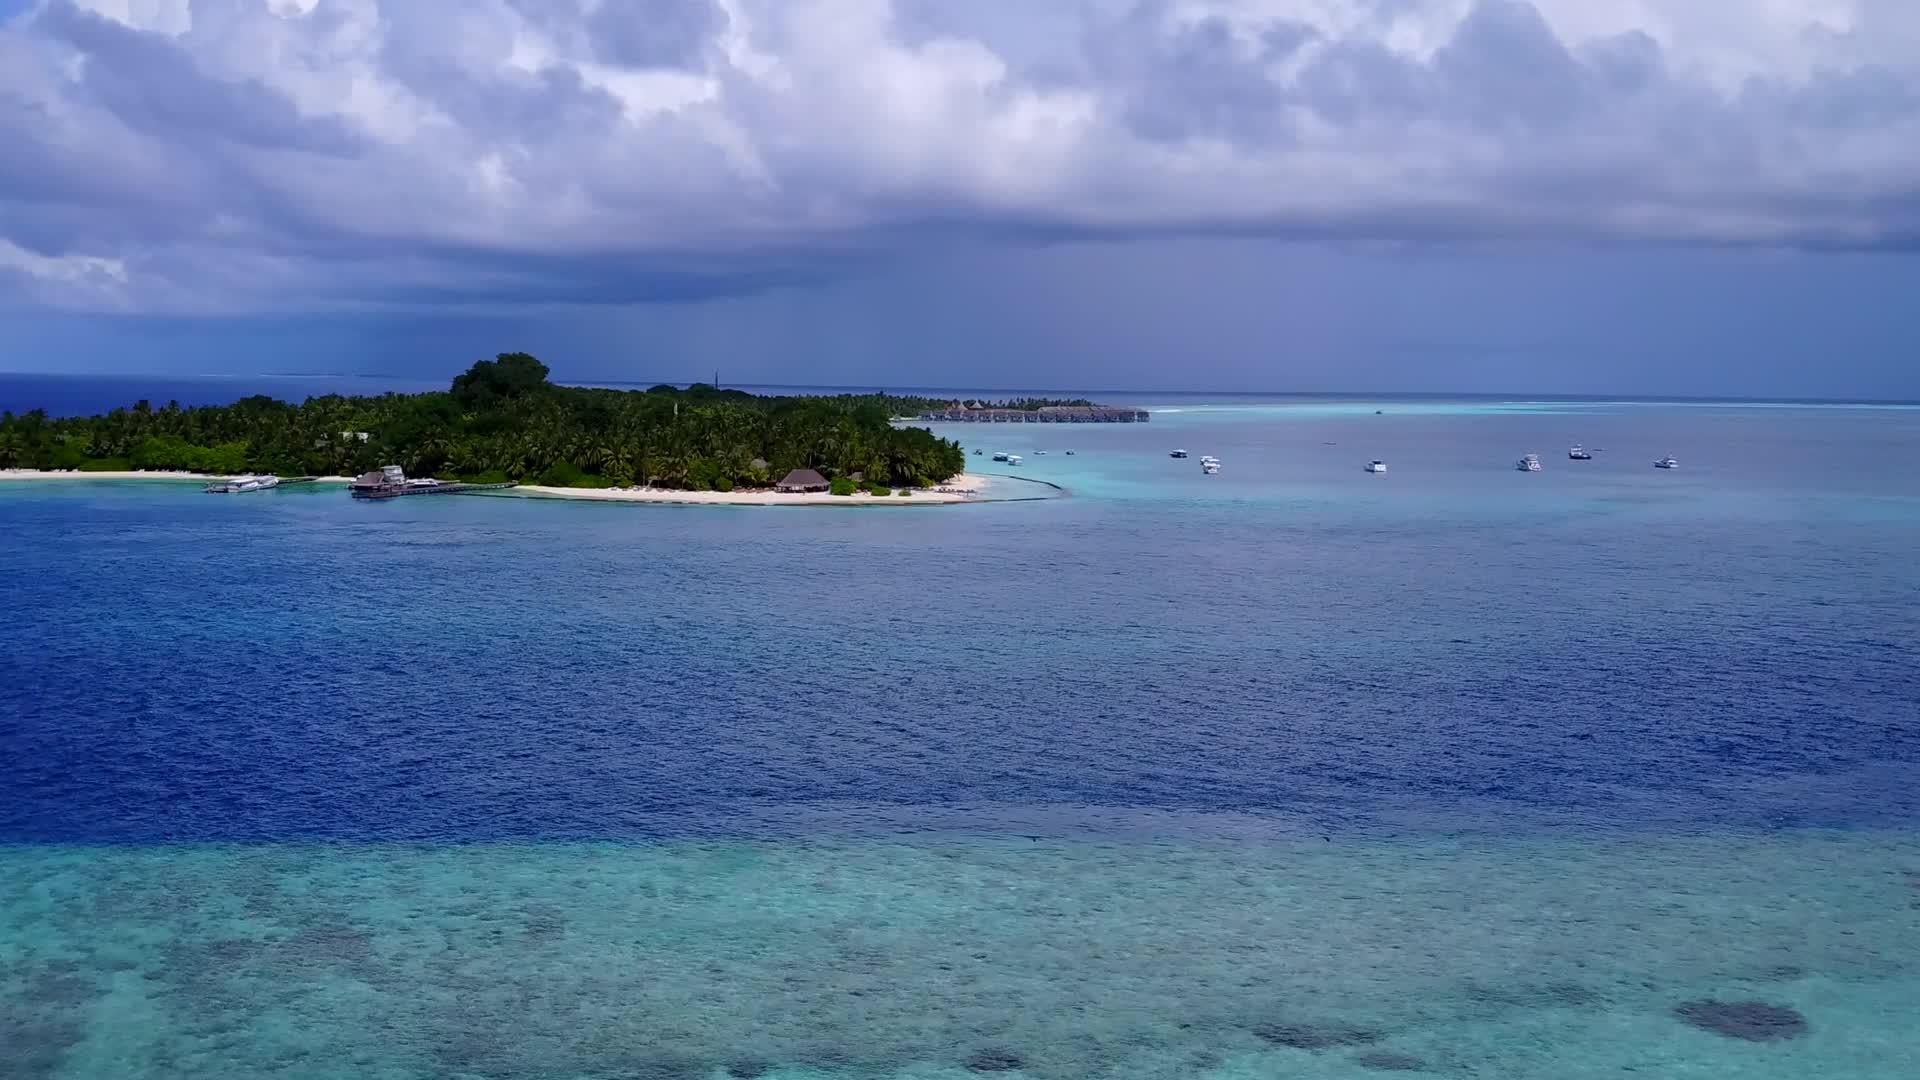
x=242 y=155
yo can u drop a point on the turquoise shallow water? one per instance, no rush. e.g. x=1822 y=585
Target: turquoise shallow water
x=1288 y=772
x=1470 y=956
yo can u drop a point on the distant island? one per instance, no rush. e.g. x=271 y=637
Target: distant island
x=503 y=419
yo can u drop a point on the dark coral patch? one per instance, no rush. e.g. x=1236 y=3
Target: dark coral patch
x=64 y=991
x=1388 y=1061
x=996 y=1059
x=749 y=1069
x=34 y=1046
x=327 y=944
x=1753 y=1021
x=1316 y=1036
x=1569 y=993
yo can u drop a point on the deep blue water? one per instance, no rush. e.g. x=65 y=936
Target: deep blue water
x=1488 y=771
x=1455 y=642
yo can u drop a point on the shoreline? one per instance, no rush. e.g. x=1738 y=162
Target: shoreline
x=142 y=474
x=964 y=488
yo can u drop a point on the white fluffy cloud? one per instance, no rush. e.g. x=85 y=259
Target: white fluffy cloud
x=238 y=154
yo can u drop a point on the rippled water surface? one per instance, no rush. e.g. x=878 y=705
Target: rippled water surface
x=1291 y=771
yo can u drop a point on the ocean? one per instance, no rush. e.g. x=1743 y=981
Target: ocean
x=1292 y=771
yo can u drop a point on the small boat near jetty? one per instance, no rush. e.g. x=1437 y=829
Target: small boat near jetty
x=1177 y=453
x=237 y=484
x=1530 y=463
x=1376 y=466
x=1667 y=462
x=1579 y=453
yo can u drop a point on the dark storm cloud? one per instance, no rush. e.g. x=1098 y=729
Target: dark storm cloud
x=154 y=86
x=229 y=154
x=654 y=33
x=1181 y=80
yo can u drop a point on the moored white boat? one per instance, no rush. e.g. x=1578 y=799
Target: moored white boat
x=1579 y=453
x=1667 y=462
x=1177 y=453
x=1376 y=466
x=1530 y=463
x=237 y=484
x=1013 y=459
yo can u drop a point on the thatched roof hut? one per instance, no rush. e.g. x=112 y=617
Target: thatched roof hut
x=800 y=480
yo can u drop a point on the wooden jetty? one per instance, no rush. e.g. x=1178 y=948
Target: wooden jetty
x=436 y=487
x=391 y=483
x=1048 y=414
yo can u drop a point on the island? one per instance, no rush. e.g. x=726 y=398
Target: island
x=504 y=420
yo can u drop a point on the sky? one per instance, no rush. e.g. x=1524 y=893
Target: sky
x=1712 y=197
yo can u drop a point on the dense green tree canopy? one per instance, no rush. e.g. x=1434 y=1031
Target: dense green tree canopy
x=503 y=418
x=491 y=382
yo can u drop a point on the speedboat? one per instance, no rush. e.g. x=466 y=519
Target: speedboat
x=1178 y=453
x=999 y=455
x=1376 y=466
x=1579 y=453
x=976 y=452
x=1013 y=459
x=1069 y=453
x=1039 y=453
x=1209 y=466
x=243 y=483
x=1530 y=463
x=1666 y=463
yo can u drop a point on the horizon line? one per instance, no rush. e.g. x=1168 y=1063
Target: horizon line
x=930 y=390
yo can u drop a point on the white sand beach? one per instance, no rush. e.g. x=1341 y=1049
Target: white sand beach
x=135 y=474
x=967 y=487
x=74 y=474
x=964 y=488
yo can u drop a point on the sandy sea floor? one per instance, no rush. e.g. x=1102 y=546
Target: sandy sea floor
x=1569 y=958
